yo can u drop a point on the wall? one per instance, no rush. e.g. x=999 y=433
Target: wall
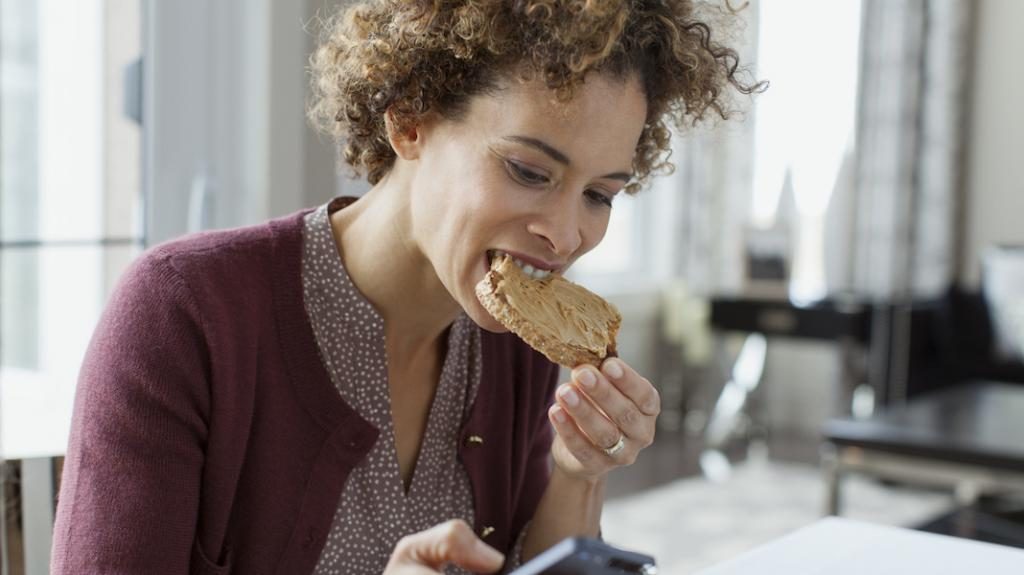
x=995 y=165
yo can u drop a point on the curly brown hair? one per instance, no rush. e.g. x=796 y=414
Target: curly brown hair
x=411 y=57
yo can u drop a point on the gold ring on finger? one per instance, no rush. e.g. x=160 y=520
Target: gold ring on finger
x=619 y=446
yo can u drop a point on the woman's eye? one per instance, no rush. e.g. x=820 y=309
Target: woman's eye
x=524 y=175
x=598 y=198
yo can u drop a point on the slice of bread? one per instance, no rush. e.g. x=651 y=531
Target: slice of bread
x=562 y=320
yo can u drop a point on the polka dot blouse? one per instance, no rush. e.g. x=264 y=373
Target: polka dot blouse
x=375 y=511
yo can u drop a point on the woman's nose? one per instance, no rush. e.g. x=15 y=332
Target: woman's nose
x=559 y=227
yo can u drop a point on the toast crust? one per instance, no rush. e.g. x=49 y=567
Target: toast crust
x=564 y=321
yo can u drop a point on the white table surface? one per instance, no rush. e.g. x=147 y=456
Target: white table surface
x=837 y=546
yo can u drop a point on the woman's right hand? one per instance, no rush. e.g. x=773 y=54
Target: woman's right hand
x=452 y=542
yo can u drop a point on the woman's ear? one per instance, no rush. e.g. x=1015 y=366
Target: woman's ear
x=405 y=142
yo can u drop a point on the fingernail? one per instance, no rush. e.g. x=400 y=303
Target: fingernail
x=570 y=396
x=586 y=378
x=613 y=369
x=558 y=414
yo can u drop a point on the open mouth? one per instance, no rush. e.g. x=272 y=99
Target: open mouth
x=529 y=270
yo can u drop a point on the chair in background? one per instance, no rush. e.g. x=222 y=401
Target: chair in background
x=762 y=319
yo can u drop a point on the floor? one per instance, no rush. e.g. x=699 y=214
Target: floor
x=665 y=506
x=693 y=523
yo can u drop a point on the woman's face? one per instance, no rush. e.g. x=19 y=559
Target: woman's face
x=524 y=175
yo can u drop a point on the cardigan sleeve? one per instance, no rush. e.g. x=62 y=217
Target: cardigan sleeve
x=538 y=467
x=129 y=496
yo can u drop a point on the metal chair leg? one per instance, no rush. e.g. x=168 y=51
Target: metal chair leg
x=833 y=479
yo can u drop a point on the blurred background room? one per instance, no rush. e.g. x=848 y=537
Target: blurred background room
x=828 y=292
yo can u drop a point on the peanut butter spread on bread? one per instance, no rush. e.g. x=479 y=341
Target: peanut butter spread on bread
x=564 y=321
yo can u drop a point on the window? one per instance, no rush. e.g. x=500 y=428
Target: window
x=70 y=201
x=639 y=249
x=805 y=126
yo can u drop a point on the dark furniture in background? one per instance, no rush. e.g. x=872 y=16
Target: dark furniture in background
x=959 y=424
x=909 y=348
x=952 y=341
x=846 y=322
x=947 y=412
x=828 y=319
x=968 y=438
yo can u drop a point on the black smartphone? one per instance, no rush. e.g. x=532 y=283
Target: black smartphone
x=586 y=556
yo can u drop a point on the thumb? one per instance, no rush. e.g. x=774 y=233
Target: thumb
x=450 y=542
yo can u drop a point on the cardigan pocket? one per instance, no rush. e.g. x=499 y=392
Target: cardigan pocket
x=200 y=564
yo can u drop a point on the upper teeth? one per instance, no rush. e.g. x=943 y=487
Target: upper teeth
x=535 y=273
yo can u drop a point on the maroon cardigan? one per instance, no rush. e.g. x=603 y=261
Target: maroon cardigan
x=207 y=437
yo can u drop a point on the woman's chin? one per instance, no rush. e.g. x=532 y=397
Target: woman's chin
x=497 y=328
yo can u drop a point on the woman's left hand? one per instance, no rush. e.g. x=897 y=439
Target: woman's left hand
x=597 y=411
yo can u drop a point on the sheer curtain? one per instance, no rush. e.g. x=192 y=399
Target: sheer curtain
x=892 y=196
x=715 y=166
x=909 y=167
x=892 y=191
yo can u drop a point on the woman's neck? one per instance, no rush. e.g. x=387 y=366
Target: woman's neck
x=392 y=273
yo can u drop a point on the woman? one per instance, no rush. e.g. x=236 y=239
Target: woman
x=316 y=394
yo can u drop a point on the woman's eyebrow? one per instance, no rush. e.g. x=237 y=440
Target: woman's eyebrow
x=559 y=156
